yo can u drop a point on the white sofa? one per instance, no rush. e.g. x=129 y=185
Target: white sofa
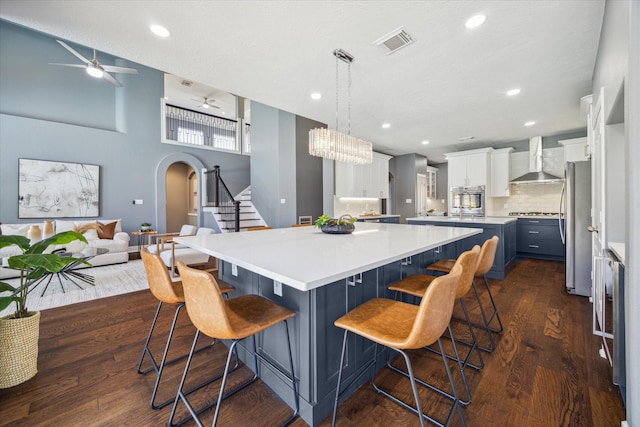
x=118 y=245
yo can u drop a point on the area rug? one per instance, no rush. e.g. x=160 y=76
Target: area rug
x=109 y=280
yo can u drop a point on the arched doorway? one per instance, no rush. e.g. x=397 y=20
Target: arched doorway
x=182 y=196
x=178 y=192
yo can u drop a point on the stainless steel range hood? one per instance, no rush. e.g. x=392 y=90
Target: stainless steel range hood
x=536 y=174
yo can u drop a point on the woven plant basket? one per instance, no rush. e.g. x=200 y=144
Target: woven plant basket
x=19 y=349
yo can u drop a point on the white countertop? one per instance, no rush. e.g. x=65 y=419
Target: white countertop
x=478 y=219
x=306 y=258
x=618 y=249
x=376 y=216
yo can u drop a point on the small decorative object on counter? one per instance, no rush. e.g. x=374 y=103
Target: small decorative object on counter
x=145 y=226
x=342 y=225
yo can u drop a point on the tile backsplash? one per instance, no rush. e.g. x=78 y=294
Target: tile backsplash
x=540 y=197
x=354 y=207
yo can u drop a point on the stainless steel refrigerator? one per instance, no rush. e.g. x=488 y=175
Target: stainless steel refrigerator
x=575 y=217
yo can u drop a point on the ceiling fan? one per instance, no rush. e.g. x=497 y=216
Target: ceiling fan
x=206 y=103
x=95 y=68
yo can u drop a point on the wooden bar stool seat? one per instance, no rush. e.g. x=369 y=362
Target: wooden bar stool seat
x=417 y=284
x=236 y=319
x=485 y=262
x=166 y=291
x=401 y=326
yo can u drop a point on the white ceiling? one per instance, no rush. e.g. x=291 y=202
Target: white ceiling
x=450 y=83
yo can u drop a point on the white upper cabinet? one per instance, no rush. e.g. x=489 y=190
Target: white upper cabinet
x=370 y=180
x=500 y=168
x=469 y=168
x=575 y=150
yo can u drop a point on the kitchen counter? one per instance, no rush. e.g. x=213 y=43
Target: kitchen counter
x=321 y=277
x=306 y=258
x=478 y=219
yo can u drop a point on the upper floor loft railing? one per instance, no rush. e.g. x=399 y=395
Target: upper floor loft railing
x=218 y=195
x=191 y=128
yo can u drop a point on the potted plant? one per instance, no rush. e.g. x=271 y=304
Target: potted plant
x=342 y=225
x=19 y=331
x=145 y=226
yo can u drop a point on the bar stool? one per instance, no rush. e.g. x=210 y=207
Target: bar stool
x=401 y=326
x=170 y=292
x=485 y=262
x=417 y=284
x=235 y=320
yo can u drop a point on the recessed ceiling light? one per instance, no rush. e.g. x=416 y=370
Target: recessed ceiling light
x=316 y=95
x=159 y=31
x=513 y=92
x=475 y=21
x=530 y=123
x=466 y=138
x=386 y=125
x=425 y=142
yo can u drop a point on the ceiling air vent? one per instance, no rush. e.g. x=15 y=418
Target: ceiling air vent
x=186 y=83
x=394 y=40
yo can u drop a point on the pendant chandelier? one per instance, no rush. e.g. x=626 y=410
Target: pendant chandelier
x=334 y=145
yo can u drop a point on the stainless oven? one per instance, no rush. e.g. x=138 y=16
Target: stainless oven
x=467 y=201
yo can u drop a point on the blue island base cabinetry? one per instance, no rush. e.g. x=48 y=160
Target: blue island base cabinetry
x=315 y=341
x=504 y=228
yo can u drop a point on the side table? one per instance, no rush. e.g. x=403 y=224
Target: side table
x=148 y=233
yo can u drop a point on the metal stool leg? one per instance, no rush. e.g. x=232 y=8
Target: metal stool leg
x=455 y=358
x=495 y=314
x=335 y=402
x=182 y=394
x=485 y=326
x=418 y=409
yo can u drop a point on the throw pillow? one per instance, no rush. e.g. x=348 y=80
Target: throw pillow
x=106 y=231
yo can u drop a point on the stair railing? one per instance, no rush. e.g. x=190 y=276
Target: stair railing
x=219 y=196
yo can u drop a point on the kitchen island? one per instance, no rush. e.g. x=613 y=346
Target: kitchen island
x=503 y=227
x=321 y=277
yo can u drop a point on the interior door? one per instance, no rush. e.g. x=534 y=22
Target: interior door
x=599 y=234
x=421 y=194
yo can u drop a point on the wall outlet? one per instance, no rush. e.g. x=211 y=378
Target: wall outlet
x=408 y=201
x=234 y=269
x=283 y=201
x=138 y=202
x=277 y=288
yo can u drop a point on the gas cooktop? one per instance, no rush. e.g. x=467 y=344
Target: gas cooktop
x=552 y=214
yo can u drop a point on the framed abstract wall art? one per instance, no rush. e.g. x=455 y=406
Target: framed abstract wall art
x=49 y=189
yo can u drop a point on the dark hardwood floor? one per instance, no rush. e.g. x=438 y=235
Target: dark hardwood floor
x=545 y=371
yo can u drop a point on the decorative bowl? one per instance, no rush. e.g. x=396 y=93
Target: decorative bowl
x=338 y=229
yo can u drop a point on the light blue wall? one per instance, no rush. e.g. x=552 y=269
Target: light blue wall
x=60 y=114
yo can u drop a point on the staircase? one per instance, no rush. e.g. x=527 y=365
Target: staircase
x=249 y=217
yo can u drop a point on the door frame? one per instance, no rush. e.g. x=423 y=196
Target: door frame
x=161 y=185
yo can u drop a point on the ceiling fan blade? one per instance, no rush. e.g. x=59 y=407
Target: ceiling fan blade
x=114 y=69
x=108 y=77
x=69 y=65
x=214 y=106
x=73 y=51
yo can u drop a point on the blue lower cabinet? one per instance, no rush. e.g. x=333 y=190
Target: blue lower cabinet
x=391 y=220
x=382 y=220
x=539 y=238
